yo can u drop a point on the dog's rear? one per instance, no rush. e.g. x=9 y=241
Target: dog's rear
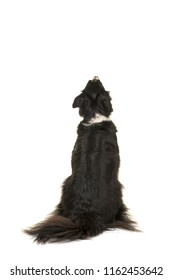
x=92 y=196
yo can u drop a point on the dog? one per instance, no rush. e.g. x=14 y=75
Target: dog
x=92 y=200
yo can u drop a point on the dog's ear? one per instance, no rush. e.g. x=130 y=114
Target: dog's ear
x=106 y=103
x=77 y=101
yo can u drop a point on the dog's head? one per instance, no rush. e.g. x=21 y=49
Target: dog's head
x=94 y=99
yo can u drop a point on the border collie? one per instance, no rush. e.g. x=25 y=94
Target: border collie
x=91 y=200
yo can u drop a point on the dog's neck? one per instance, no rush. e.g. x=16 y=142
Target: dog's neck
x=97 y=119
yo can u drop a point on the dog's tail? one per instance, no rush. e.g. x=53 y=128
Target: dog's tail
x=58 y=228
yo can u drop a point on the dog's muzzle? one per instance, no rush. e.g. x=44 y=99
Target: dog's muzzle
x=95 y=79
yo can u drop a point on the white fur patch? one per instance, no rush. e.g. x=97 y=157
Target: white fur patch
x=98 y=118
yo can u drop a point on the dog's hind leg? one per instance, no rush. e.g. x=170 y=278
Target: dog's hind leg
x=59 y=209
x=122 y=220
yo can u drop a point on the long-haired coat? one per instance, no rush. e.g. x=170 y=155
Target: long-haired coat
x=91 y=199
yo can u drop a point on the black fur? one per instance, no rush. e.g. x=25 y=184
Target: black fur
x=91 y=199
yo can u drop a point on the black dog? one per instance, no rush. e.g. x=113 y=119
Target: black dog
x=92 y=196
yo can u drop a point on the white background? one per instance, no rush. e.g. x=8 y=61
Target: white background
x=48 y=51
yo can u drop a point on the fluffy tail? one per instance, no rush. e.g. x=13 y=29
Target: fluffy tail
x=58 y=228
